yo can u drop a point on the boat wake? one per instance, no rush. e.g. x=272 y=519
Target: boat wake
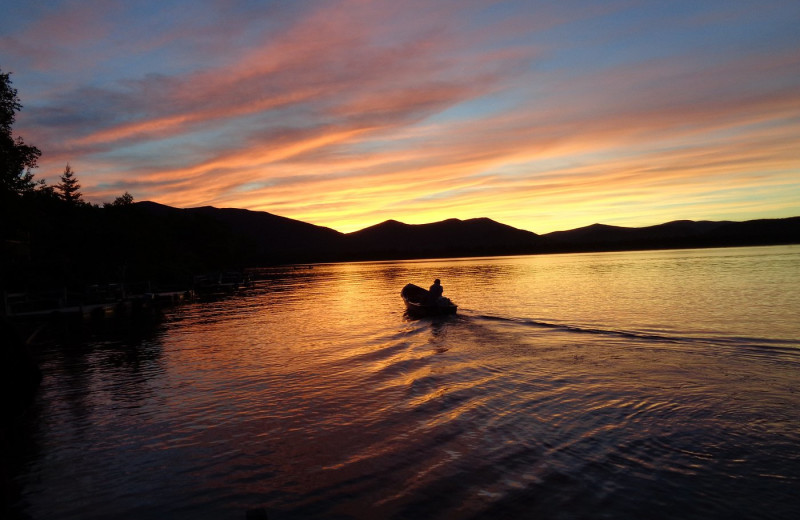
x=790 y=347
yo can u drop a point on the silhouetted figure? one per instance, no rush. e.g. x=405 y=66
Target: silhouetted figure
x=436 y=290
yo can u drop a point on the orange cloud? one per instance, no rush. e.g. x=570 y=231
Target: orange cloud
x=349 y=113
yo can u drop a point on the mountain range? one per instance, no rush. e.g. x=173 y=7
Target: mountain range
x=267 y=239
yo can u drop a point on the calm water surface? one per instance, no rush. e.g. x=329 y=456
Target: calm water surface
x=617 y=385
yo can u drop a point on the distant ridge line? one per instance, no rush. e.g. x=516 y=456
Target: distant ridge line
x=270 y=238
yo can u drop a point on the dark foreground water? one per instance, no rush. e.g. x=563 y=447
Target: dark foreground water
x=617 y=385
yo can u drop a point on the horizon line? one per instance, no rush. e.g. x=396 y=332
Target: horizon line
x=467 y=219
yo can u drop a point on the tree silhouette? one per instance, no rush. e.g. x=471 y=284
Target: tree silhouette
x=69 y=187
x=126 y=199
x=16 y=158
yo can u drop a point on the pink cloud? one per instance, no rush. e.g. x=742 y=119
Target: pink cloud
x=385 y=109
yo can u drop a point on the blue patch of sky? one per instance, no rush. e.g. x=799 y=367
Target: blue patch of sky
x=277 y=11
x=152 y=154
x=652 y=31
x=18 y=14
x=496 y=12
x=165 y=56
x=597 y=44
x=481 y=107
x=184 y=38
x=290 y=115
x=376 y=145
x=180 y=150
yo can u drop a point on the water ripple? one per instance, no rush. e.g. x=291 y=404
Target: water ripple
x=559 y=402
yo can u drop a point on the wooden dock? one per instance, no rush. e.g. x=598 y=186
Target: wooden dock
x=22 y=306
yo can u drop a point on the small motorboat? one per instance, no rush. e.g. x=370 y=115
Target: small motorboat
x=420 y=302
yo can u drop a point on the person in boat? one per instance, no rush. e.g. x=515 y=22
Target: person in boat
x=436 y=291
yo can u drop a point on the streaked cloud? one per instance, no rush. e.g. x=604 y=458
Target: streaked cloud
x=540 y=115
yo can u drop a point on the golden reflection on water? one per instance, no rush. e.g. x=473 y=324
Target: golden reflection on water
x=567 y=386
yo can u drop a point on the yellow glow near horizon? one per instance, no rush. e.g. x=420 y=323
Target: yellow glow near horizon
x=346 y=114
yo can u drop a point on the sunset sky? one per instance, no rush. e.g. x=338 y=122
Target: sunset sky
x=541 y=115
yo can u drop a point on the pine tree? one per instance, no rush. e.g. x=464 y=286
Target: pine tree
x=69 y=187
x=16 y=158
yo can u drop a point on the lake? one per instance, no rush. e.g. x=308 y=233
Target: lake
x=657 y=384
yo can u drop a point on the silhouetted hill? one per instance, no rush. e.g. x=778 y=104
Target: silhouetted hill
x=678 y=234
x=262 y=237
x=47 y=243
x=762 y=231
x=275 y=236
x=611 y=235
x=452 y=237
